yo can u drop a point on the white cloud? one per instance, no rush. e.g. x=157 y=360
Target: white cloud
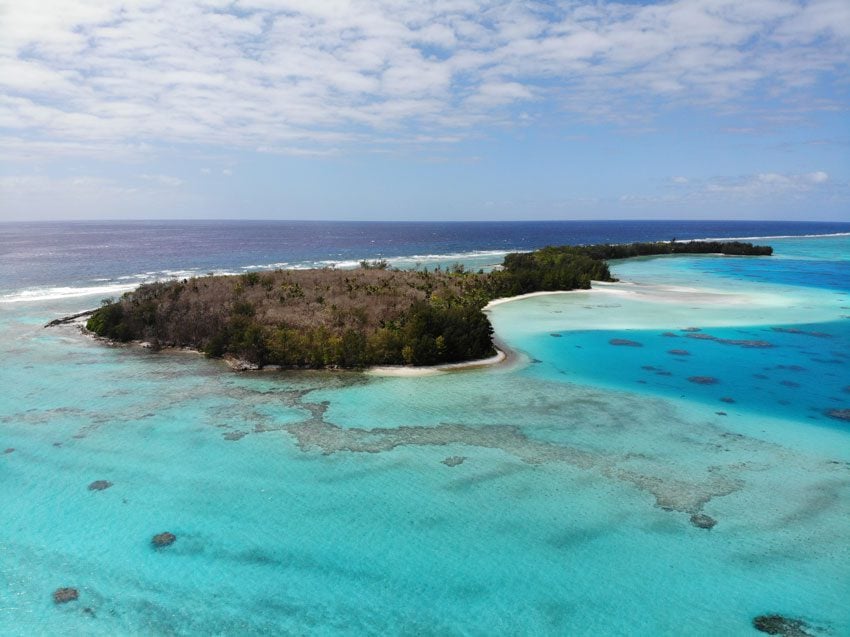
x=164 y=180
x=308 y=76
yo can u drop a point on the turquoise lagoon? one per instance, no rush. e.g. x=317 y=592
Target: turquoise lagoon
x=319 y=503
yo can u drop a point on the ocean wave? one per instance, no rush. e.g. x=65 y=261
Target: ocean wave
x=64 y=292
x=776 y=236
x=124 y=283
x=452 y=256
x=115 y=285
x=392 y=260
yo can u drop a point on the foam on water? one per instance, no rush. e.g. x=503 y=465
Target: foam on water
x=321 y=503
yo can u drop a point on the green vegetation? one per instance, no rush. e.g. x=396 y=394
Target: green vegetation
x=356 y=318
x=628 y=250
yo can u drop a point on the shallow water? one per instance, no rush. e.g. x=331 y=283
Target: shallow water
x=320 y=503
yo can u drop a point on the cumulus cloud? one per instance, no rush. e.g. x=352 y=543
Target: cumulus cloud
x=301 y=77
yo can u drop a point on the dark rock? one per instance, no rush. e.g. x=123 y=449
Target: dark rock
x=99 y=485
x=554 y=335
x=663 y=373
x=163 y=539
x=241 y=365
x=721 y=413
x=703 y=380
x=840 y=414
x=679 y=352
x=453 y=461
x=235 y=435
x=727 y=399
x=64 y=595
x=9 y=450
x=779 y=625
x=670 y=335
x=69 y=319
x=624 y=342
x=702 y=521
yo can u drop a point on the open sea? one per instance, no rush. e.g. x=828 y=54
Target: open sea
x=561 y=494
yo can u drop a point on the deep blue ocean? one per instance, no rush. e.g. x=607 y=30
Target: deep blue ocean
x=668 y=454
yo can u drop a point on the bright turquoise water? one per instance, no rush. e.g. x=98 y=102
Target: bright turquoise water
x=318 y=503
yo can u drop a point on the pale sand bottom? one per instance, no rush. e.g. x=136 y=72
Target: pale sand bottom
x=630 y=306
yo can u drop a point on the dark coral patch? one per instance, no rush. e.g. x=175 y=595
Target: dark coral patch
x=839 y=414
x=64 y=595
x=99 y=485
x=789 y=383
x=703 y=380
x=780 y=625
x=649 y=368
x=9 y=450
x=749 y=344
x=691 y=329
x=161 y=540
x=679 y=352
x=624 y=342
x=453 y=461
x=663 y=373
x=727 y=399
x=670 y=335
x=702 y=337
x=794 y=330
x=555 y=335
x=760 y=376
x=702 y=521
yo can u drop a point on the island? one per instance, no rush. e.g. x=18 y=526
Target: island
x=352 y=319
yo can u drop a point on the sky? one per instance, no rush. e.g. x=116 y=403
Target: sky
x=425 y=110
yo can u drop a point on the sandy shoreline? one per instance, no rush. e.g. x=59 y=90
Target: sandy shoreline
x=503 y=355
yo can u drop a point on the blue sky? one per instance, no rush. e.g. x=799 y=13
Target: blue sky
x=449 y=109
